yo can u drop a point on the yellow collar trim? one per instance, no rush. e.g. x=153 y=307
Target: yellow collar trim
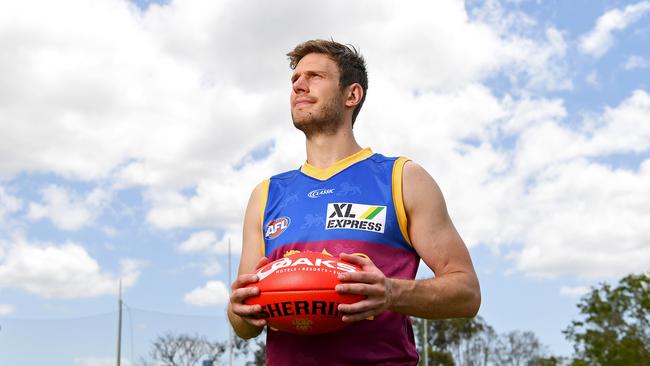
x=339 y=166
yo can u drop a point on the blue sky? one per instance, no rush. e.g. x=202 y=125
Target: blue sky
x=133 y=133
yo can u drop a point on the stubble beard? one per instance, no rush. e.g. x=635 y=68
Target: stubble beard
x=325 y=121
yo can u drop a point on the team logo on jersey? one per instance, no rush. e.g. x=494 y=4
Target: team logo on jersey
x=320 y=192
x=276 y=227
x=356 y=217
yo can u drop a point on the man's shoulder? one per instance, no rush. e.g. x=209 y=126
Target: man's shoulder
x=289 y=174
x=382 y=159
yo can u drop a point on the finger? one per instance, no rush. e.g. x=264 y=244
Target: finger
x=244 y=280
x=359 y=316
x=359 y=289
x=363 y=277
x=241 y=294
x=262 y=262
x=355 y=259
x=359 y=307
x=256 y=322
x=245 y=311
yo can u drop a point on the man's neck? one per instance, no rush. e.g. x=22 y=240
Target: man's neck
x=325 y=150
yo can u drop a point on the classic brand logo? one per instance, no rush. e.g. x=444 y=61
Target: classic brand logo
x=320 y=192
x=276 y=227
x=356 y=217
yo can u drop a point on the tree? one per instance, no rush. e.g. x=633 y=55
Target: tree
x=259 y=354
x=189 y=350
x=518 y=348
x=615 y=326
x=456 y=341
x=473 y=342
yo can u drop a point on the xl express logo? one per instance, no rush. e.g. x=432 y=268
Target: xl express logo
x=276 y=227
x=356 y=217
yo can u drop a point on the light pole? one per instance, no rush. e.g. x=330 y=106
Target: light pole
x=119 y=326
x=230 y=340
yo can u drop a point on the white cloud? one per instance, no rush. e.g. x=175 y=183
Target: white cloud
x=573 y=292
x=6 y=309
x=526 y=112
x=601 y=38
x=587 y=219
x=541 y=62
x=60 y=271
x=8 y=204
x=66 y=210
x=151 y=98
x=207 y=241
x=529 y=62
x=198 y=242
x=636 y=62
x=219 y=200
x=155 y=107
x=213 y=293
x=624 y=129
x=212 y=267
x=551 y=142
x=571 y=213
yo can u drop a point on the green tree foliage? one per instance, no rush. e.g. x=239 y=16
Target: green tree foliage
x=455 y=341
x=473 y=342
x=519 y=348
x=614 y=329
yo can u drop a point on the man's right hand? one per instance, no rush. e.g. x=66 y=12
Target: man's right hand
x=249 y=313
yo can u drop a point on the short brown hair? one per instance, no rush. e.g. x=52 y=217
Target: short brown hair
x=352 y=66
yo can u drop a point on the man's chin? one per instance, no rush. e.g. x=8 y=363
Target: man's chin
x=301 y=125
x=301 y=120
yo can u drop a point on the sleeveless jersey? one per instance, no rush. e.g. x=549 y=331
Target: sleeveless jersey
x=354 y=206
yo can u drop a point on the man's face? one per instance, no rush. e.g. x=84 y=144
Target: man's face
x=316 y=100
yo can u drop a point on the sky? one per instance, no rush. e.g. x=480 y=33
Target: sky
x=132 y=133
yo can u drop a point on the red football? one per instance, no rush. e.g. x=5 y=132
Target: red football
x=297 y=293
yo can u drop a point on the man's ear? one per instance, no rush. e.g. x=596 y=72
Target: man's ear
x=354 y=95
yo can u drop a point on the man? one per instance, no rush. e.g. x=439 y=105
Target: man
x=342 y=180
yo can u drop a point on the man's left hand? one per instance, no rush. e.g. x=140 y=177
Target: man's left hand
x=370 y=282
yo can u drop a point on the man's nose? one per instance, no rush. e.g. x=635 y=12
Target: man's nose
x=300 y=85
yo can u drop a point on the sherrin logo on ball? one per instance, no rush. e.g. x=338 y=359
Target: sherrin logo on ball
x=297 y=293
x=276 y=227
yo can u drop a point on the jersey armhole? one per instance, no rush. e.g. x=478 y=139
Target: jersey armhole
x=264 y=195
x=398 y=199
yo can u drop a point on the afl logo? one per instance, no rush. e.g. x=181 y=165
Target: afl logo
x=276 y=227
x=320 y=192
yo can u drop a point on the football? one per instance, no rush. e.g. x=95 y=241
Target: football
x=297 y=293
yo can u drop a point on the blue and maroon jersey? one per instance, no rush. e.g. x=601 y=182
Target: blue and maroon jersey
x=354 y=206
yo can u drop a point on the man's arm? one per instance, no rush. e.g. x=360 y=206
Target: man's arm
x=241 y=316
x=453 y=292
